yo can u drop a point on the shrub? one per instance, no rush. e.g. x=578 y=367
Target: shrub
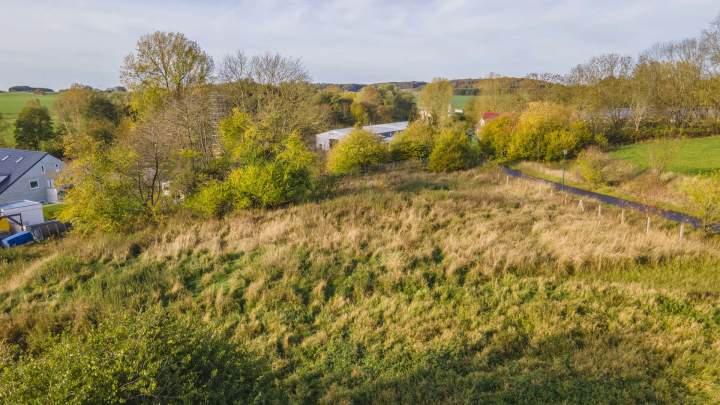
x=543 y=132
x=416 y=142
x=495 y=137
x=215 y=199
x=264 y=171
x=150 y=357
x=453 y=151
x=703 y=194
x=590 y=165
x=287 y=178
x=358 y=152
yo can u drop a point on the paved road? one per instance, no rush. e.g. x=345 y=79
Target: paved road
x=670 y=215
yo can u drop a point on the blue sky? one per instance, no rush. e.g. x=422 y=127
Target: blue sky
x=55 y=43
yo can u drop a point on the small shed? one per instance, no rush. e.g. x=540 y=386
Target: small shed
x=29 y=212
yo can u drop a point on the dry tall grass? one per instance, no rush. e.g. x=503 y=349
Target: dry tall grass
x=409 y=287
x=477 y=224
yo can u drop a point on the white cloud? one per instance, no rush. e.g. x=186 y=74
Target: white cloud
x=56 y=43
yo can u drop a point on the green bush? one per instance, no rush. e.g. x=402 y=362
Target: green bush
x=495 y=137
x=543 y=132
x=358 y=152
x=415 y=143
x=287 y=178
x=703 y=195
x=590 y=165
x=103 y=200
x=452 y=151
x=215 y=199
x=148 y=358
x=265 y=171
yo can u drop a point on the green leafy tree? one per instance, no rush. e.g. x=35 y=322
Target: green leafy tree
x=545 y=130
x=87 y=118
x=358 y=152
x=33 y=126
x=435 y=100
x=496 y=135
x=103 y=194
x=265 y=170
x=453 y=150
x=285 y=178
x=416 y=142
x=167 y=61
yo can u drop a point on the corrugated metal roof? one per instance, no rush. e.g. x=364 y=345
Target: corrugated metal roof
x=376 y=129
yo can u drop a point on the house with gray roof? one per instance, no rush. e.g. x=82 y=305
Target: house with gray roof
x=28 y=175
x=327 y=140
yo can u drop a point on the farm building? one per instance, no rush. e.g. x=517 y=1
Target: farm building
x=28 y=175
x=327 y=140
x=487 y=117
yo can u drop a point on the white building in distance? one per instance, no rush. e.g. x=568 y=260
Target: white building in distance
x=327 y=140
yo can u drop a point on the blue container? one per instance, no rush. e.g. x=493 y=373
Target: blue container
x=18 y=239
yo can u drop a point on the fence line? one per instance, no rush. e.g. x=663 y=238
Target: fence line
x=619 y=202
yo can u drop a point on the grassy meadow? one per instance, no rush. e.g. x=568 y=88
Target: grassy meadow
x=408 y=287
x=459 y=102
x=12 y=103
x=691 y=156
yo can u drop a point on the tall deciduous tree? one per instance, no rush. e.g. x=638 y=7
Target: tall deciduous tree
x=435 y=100
x=33 y=126
x=167 y=61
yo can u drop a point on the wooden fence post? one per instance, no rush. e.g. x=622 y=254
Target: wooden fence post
x=622 y=216
x=581 y=206
x=599 y=210
x=647 y=226
x=682 y=231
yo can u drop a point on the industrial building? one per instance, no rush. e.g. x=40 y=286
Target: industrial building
x=327 y=140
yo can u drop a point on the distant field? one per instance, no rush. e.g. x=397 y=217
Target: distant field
x=693 y=156
x=459 y=102
x=12 y=103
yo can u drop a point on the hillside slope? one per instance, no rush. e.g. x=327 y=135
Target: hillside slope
x=408 y=287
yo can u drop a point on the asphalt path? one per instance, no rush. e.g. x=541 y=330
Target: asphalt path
x=619 y=202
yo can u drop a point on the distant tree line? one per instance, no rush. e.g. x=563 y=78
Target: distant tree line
x=28 y=89
x=671 y=89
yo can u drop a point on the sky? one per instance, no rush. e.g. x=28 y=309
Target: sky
x=54 y=43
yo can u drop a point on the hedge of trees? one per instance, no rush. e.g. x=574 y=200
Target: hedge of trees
x=670 y=89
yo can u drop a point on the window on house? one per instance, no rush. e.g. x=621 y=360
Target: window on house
x=34 y=184
x=42 y=169
x=51 y=183
x=57 y=167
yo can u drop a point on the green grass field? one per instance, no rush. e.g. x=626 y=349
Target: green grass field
x=459 y=102
x=51 y=211
x=12 y=103
x=693 y=156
